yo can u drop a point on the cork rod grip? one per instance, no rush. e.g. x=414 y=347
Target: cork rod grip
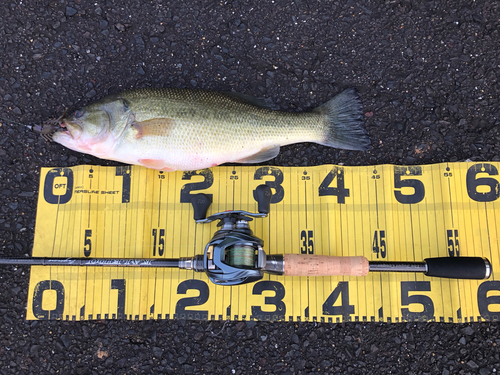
x=323 y=265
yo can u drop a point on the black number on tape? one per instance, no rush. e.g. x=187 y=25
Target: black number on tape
x=160 y=240
x=58 y=186
x=208 y=180
x=307 y=242
x=180 y=307
x=453 y=245
x=119 y=284
x=378 y=247
x=489 y=187
x=276 y=300
x=38 y=310
x=344 y=309
x=279 y=192
x=417 y=185
x=427 y=312
x=340 y=191
x=125 y=172
x=87 y=243
x=484 y=301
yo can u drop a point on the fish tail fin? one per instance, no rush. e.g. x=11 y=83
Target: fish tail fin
x=344 y=122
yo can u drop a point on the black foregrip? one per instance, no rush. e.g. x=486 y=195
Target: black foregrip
x=200 y=203
x=459 y=267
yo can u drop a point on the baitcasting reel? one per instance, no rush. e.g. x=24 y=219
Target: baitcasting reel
x=234 y=255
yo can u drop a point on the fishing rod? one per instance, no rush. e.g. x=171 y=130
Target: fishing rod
x=235 y=256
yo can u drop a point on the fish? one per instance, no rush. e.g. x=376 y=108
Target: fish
x=172 y=129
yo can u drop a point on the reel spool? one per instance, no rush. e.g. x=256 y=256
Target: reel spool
x=241 y=256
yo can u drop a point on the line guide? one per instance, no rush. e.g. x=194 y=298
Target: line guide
x=386 y=212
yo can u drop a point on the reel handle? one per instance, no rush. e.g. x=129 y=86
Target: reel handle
x=201 y=202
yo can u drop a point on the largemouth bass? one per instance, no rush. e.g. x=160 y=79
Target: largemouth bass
x=183 y=129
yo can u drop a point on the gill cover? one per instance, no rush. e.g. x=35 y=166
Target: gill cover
x=100 y=117
x=94 y=128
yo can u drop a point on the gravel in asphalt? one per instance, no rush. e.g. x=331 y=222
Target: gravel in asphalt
x=428 y=77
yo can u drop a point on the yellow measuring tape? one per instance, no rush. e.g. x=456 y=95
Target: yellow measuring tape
x=386 y=212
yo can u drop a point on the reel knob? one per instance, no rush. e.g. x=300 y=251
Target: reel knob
x=263 y=195
x=201 y=202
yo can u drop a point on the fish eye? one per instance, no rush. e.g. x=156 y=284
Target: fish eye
x=78 y=114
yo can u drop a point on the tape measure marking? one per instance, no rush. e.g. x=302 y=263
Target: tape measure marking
x=385 y=212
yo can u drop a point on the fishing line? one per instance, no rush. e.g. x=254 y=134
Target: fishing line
x=15 y=122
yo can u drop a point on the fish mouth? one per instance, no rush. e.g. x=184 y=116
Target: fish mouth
x=53 y=126
x=64 y=129
x=58 y=127
x=66 y=132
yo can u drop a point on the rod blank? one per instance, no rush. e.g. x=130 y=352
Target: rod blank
x=420 y=267
x=84 y=262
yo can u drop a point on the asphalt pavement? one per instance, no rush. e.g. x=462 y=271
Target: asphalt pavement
x=427 y=73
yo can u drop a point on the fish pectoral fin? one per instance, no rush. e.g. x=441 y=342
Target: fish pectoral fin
x=263 y=155
x=161 y=127
x=156 y=164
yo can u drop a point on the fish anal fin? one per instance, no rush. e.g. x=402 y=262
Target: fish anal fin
x=156 y=164
x=263 y=155
x=161 y=127
x=168 y=169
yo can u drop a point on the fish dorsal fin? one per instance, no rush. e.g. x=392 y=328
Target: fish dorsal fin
x=258 y=102
x=263 y=155
x=155 y=127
